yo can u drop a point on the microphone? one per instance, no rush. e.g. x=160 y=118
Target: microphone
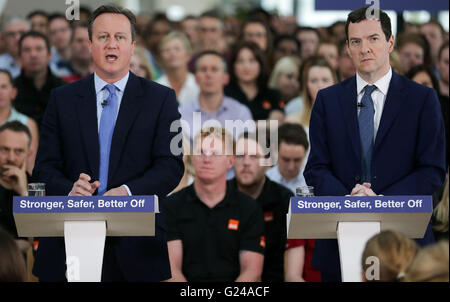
x=360 y=104
x=104 y=103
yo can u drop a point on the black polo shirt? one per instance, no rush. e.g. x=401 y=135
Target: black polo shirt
x=265 y=101
x=213 y=238
x=31 y=101
x=274 y=202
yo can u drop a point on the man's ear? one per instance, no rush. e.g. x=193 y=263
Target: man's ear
x=391 y=43
x=226 y=79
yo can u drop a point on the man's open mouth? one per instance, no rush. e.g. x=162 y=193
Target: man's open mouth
x=111 y=58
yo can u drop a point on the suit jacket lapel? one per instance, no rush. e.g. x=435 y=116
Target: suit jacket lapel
x=348 y=100
x=87 y=114
x=128 y=110
x=392 y=106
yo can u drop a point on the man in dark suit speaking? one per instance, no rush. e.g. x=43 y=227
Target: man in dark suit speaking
x=374 y=133
x=109 y=134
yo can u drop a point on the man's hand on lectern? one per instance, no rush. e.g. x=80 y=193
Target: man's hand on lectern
x=363 y=190
x=119 y=191
x=82 y=187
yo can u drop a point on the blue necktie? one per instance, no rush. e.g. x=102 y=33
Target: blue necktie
x=366 y=131
x=105 y=133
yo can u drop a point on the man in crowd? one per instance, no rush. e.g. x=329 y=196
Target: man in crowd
x=15 y=141
x=39 y=21
x=80 y=64
x=212 y=106
x=250 y=166
x=216 y=233
x=434 y=33
x=411 y=50
x=292 y=149
x=36 y=79
x=212 y=33
x=357 y=131
x=309 y=40
x=12 y=30
x=59 y=35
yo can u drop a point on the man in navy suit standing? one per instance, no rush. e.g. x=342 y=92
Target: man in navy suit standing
x=109 y=134
x=374 y=133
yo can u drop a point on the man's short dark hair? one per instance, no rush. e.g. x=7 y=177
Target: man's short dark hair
x=360 y=14
x=280 y=38
x=256 y=136
x=34 y=34
x=113 y=9
x=37 y=12
x=17 y=126
x=214 y=53
x=77 y=25
x=55 y=16
x=293 y=134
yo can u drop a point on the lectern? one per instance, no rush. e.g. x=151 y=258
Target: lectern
x=84 y=222
x=354 y=219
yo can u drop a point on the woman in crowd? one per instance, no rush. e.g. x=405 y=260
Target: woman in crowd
x=12 y=262
x=8 y=114
x=248 y=83
x=285 y=78
x=441 y=215
x=140 y=65
x=430 y=264
x=316 y=74
x=175 y=53
x=423 y=75
x=391 y=252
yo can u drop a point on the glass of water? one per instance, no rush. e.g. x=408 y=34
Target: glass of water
x=36 y=189
x=304 y=191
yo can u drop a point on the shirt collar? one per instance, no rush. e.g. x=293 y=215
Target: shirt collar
x=382 y=84
x=223 y=105
x=100 y=83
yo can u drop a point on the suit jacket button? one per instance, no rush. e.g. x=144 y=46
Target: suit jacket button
x=357 y=178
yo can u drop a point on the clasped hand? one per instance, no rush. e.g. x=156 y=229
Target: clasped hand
x=83 y=187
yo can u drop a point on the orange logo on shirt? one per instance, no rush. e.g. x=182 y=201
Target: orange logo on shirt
x=266 y=105
x=262 y=242
x=268 y=216
x=233 y=224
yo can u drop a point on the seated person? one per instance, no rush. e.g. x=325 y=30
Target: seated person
x=215 y=232
x=392 y=252
x=15 y=140
x=430 y=264
x=292 y=149
x=249 y=167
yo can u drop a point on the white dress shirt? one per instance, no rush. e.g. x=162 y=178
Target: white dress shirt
x=102 y=94
x=378 y=96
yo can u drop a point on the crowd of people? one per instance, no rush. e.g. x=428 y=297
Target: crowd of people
x=262 y=67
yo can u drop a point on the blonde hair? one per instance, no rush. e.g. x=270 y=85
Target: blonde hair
x=140 y=52
x=220 y=133
x=395 y=252
x=175 y=34
x=307 y=98
x=430 y=264
x=283 y=65
x=441 y=213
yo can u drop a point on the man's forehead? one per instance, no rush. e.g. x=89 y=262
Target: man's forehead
x=9 y=137
x=366 y=27
x=102 y=23
x=248 y=146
